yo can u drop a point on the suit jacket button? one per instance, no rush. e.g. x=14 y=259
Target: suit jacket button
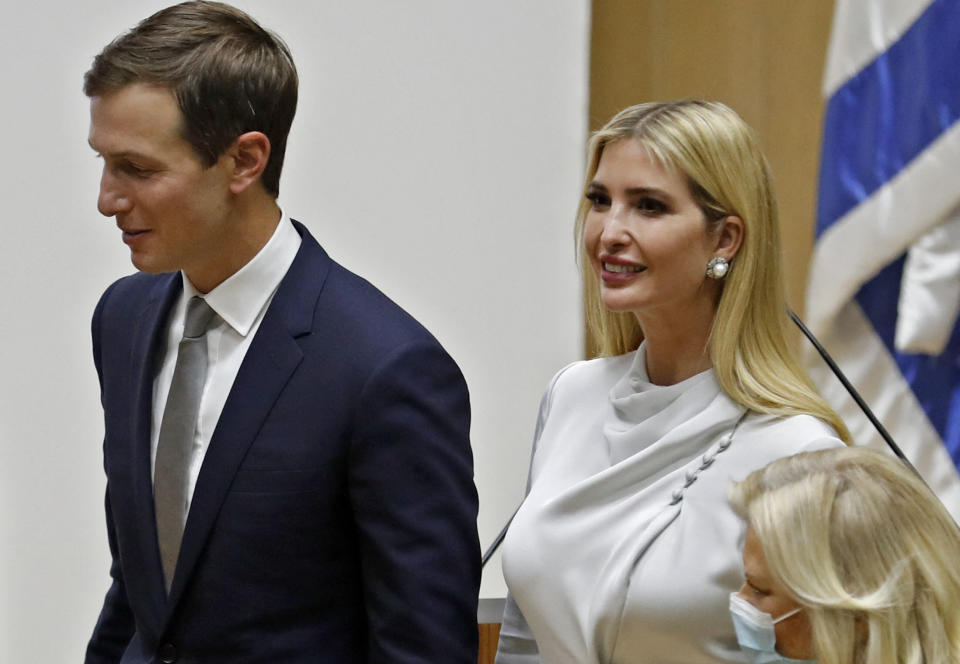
x=167 y=653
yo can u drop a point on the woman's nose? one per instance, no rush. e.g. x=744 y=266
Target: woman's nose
x=614 y=231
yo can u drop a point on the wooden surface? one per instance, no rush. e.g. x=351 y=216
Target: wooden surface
x=764 y=59
x=489 y=634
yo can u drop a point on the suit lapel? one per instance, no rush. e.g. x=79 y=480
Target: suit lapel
x=271 y=359
x=147 y=333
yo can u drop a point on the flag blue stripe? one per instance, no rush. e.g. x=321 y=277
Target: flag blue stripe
x=883 y=117
x=934 y=379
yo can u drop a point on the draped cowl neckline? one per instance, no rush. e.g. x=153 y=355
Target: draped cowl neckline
x=644 y=413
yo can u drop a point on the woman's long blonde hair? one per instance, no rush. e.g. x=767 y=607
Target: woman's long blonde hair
x=866 y=548
x=728 y=175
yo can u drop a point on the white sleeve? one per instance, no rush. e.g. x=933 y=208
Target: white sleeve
x=517 y=645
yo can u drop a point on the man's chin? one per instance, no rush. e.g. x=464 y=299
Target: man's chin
x=145 y=264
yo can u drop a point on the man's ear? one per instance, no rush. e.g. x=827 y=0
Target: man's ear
x=730 y=236
x=249 y=153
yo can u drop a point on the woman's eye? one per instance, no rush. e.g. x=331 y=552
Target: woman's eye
x=597 y=200
x=651 y=206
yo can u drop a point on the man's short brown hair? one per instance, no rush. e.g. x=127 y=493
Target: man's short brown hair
x=228 y=74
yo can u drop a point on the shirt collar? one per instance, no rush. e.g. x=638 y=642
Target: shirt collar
x=241 y=298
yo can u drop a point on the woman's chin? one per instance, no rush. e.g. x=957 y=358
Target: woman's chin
x=619 y=305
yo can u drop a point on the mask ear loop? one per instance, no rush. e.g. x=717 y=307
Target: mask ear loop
x=751 y=611
x=788 y=614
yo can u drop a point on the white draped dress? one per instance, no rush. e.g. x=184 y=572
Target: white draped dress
x=625 y=550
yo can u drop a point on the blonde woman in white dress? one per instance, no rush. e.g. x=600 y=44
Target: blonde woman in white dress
x=625 y=550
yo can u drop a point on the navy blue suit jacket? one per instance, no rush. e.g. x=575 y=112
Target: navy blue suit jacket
x=334 y=517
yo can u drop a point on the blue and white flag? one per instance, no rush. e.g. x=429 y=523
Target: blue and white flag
x=884 y=288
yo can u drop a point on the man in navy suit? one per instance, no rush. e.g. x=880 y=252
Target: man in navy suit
x=328 y=510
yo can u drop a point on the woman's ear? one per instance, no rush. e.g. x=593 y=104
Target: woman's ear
x=730 y=236
x=250 y=153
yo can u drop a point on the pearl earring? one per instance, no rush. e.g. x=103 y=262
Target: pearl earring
x=718 y=267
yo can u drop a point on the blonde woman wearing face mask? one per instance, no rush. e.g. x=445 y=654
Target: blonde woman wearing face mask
x=625 y=550
x=849 y=559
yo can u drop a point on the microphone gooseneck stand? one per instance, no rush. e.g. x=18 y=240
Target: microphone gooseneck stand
x=852 y=391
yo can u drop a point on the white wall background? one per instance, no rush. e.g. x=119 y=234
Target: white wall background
x=437 y=151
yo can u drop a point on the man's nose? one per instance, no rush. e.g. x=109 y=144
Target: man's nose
x=112 y=199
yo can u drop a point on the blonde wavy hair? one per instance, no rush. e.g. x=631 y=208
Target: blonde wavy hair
x=728 y=175
x=866 y=548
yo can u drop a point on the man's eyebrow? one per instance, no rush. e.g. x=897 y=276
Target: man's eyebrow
x=124 y=154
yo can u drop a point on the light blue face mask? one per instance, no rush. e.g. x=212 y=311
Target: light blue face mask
x=756 y=635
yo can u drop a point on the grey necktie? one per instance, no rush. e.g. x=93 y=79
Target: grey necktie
x=177 y=429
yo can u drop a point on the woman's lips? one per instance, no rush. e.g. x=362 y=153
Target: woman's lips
x=618 y=268
x=615 y=271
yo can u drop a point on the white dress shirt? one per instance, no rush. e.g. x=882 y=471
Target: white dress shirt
x=240 y=303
